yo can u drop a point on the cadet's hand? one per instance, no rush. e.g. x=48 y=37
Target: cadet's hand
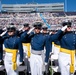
x=51 y=53
x=50 y=33
x=3 y=33
x=46 y=68
x=4 y=28
x=21 y=28
x=46 y=63
x=63 y=28
x=21 y=63
x=30 y=30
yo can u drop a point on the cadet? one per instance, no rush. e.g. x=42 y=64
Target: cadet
x=2 y=38
x=26 y=46
x=26 y=41
x=12 y=45
x=67 y=50
x=46 y=35
x=1 y=49
x=38 y=42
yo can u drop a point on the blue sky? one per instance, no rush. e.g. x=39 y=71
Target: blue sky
x=71 y=4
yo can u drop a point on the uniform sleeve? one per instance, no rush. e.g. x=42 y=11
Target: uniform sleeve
x=48 y=47
x=1 y=40
x=5 y=36
x=20 y=50
x=23 y=36
x=56 y=36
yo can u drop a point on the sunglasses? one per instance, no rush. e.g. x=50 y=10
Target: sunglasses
x=38 y=28
x=10 y=31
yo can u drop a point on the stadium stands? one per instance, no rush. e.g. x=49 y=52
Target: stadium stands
x=54 y=19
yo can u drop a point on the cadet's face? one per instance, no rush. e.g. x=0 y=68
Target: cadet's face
x=44 y=31
x=69 y=29
x=11 y=33
x=26 y=28
x=53 y=32
x=37 y=30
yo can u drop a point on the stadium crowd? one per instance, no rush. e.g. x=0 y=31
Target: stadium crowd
x=21 y=18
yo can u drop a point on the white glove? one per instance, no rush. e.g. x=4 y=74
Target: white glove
x=41 y=31
x=46 y=63
x=50 y=33
x=30 y=30
x=20 y=63
x=63 y=28
x=3 y=33
x=51 y=53
x=21 y=28
x=4 y=28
